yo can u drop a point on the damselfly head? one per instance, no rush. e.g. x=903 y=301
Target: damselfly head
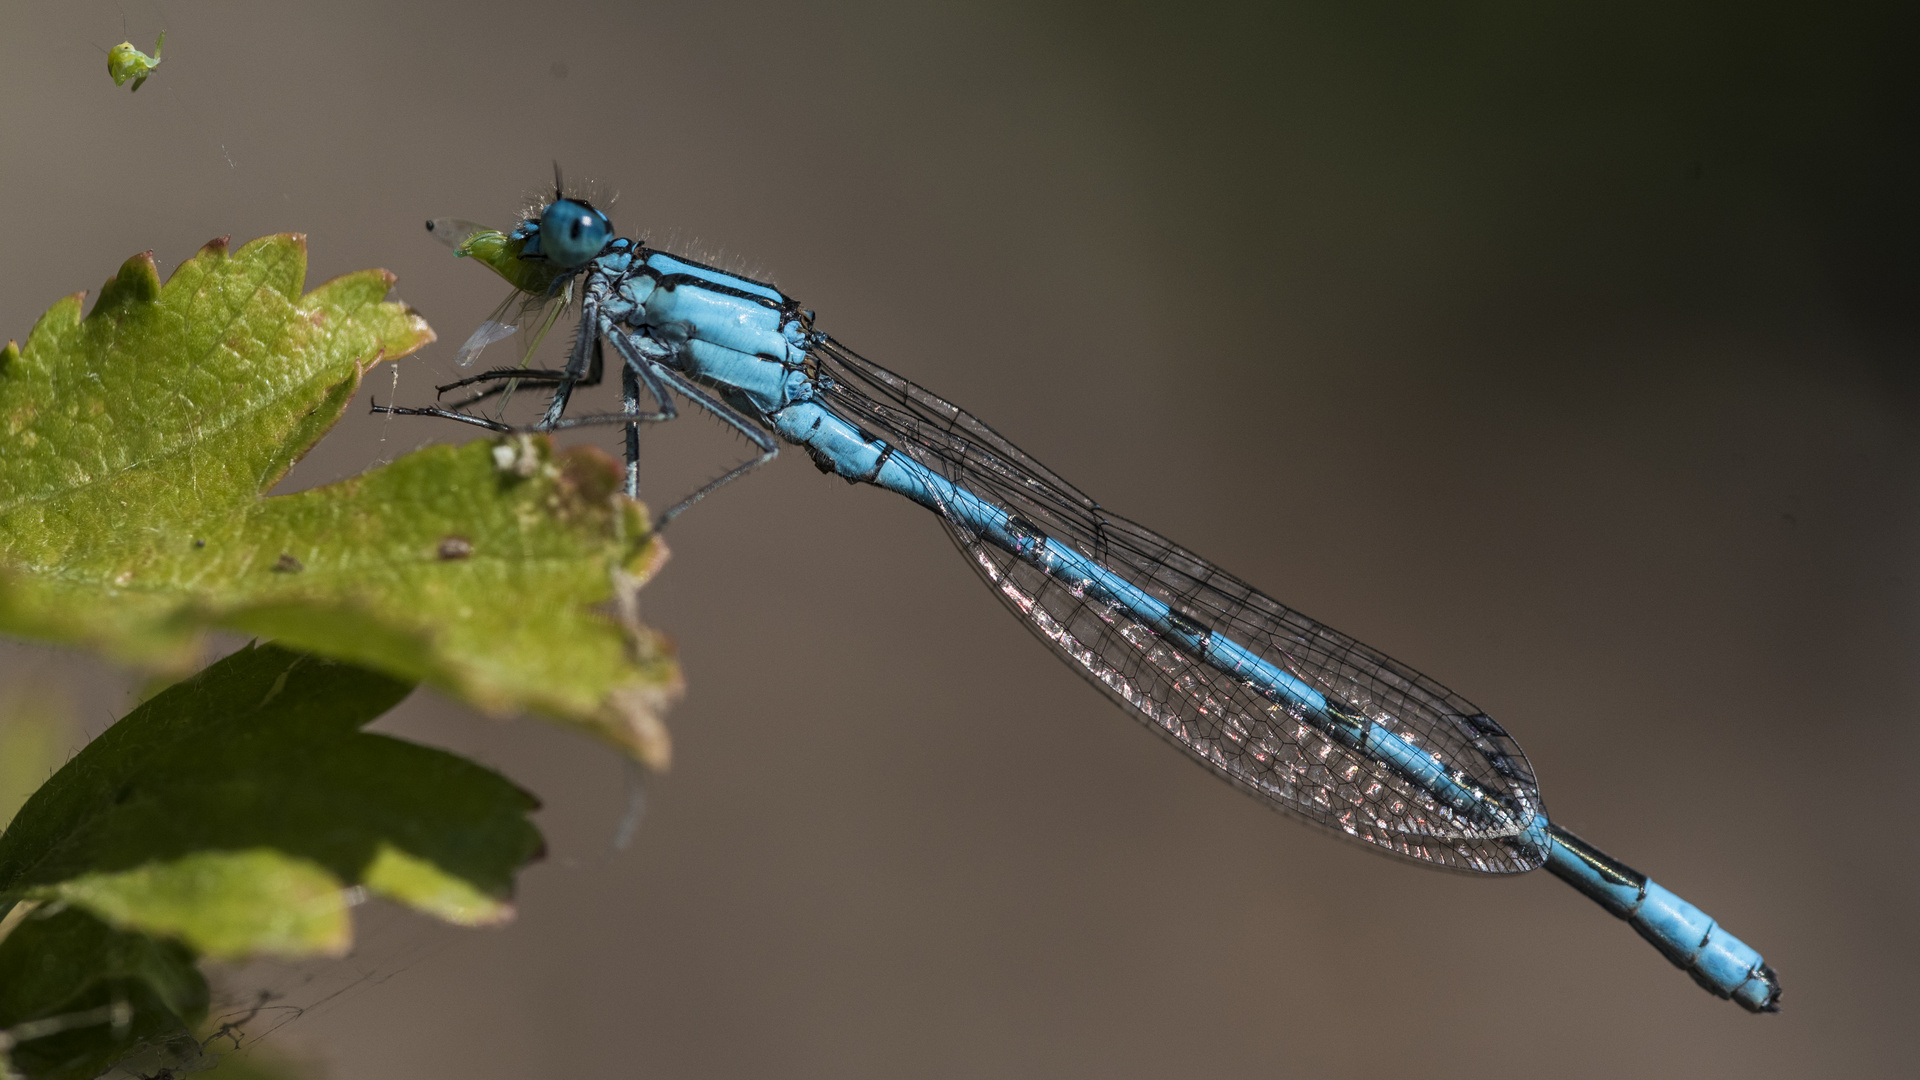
x=567 y=230
x=572 y=232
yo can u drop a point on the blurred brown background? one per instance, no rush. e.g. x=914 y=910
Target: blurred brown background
x=1567 y=353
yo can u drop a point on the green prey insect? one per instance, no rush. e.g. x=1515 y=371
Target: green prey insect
x=541 y=291
x=126 y=62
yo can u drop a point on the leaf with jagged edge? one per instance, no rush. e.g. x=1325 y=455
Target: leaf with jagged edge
x=141 y=438
x=241 y=811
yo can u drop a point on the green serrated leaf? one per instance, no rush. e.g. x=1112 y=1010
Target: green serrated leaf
x=76 y=994
x=167 y=403
x=142 y=437
x=243 y=812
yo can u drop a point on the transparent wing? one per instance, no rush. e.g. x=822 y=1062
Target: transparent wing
x=517 y=310
x=498 y=326
x=1215 y=717
x=454 y=232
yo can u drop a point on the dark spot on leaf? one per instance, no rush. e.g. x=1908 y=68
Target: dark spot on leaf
x=287 y=564
x=454 y=547
x=199 y=543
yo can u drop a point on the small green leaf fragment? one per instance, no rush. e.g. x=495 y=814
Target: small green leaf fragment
x=243 y=812
x=126 y=62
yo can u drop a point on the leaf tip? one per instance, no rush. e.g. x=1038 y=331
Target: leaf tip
x=417 y=324
x=632 y=715
x=8 y=355
x=648 y=551
x=64 y=314
x=137 y=282
x=215 y=248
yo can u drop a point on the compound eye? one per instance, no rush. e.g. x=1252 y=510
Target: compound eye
x=572 y=233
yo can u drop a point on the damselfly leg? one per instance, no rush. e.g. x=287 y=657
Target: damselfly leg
x=645 y=357
x=504 y=378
